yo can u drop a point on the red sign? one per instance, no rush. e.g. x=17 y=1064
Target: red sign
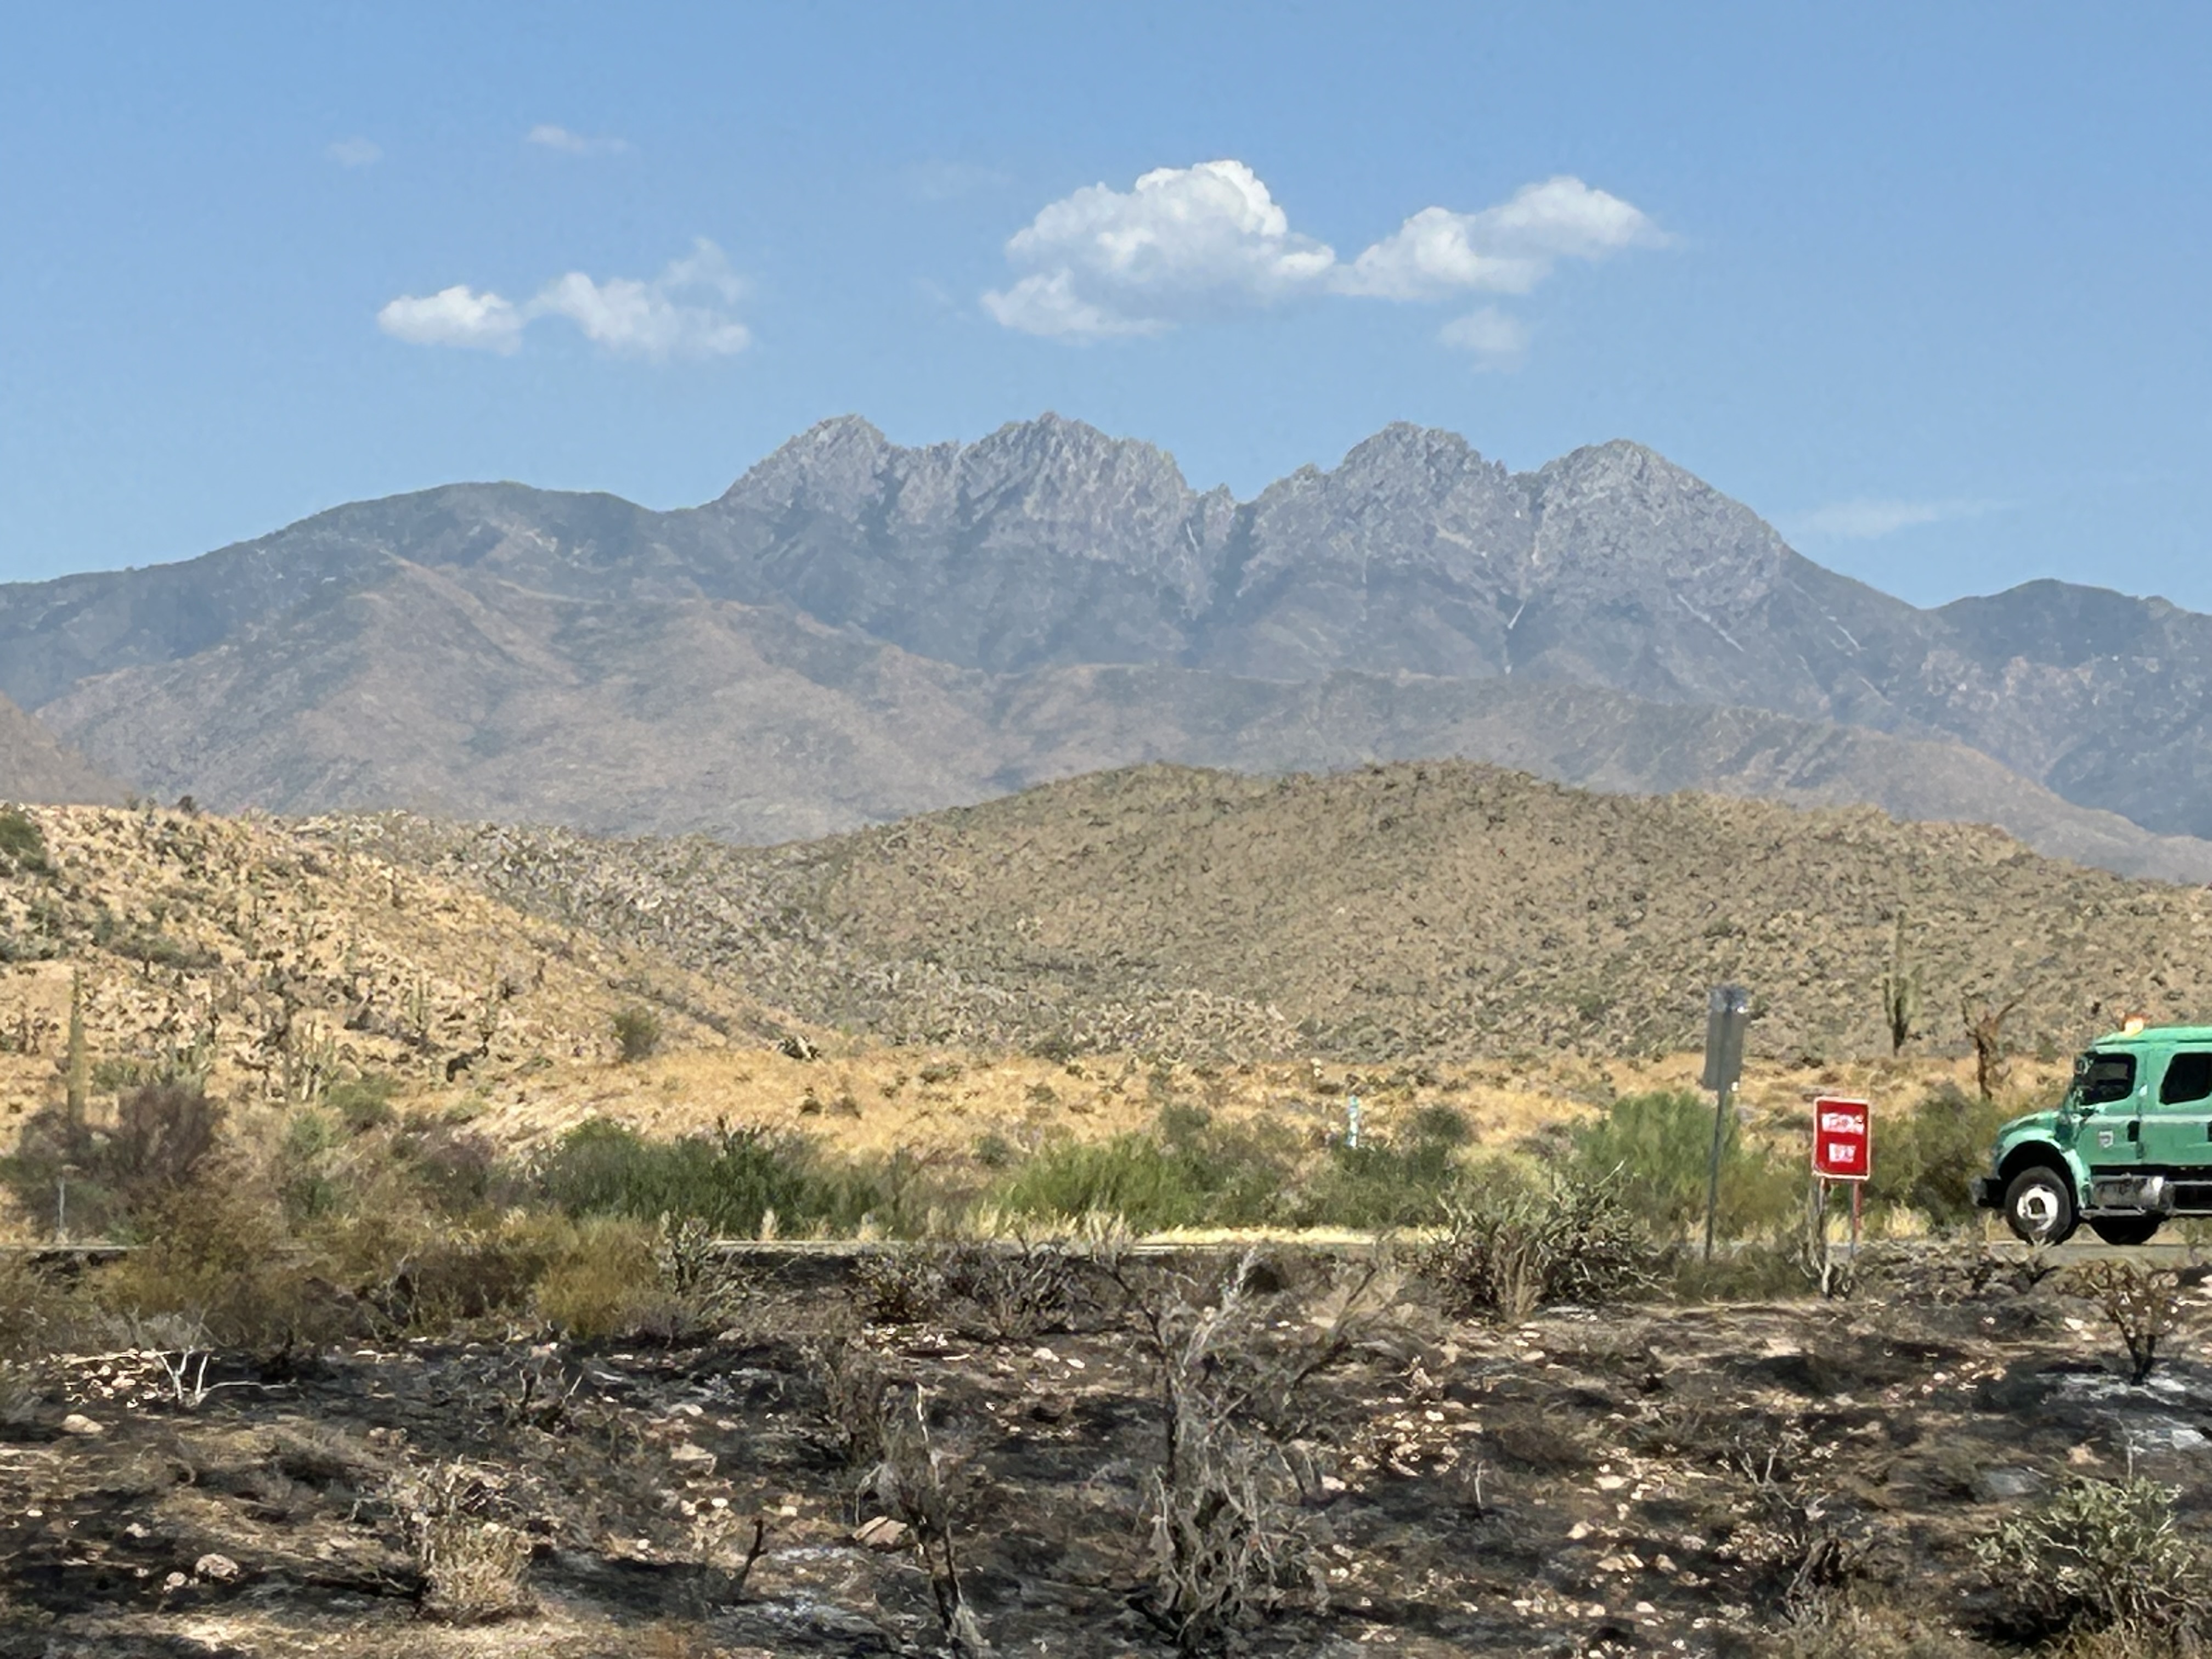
x=1842 y=1140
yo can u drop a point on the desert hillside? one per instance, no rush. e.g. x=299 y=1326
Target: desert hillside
x=1438 y=911
x=273 y=963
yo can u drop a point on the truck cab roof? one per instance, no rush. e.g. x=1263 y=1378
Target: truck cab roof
x=2155 y=1036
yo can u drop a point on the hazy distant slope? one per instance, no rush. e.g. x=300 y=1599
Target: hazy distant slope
x=1401 y=911
x=455 y=693
x=36 y=766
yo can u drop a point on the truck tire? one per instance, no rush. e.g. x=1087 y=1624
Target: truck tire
x=2124 y=1229
x=2038 y=1205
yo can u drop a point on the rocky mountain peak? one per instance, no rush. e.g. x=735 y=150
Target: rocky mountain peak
x=837 y=456
x=1070 y=459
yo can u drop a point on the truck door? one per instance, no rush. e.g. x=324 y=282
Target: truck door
x=2177 y=1115
x=2105 y=1093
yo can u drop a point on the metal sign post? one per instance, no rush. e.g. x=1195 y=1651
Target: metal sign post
x=1728 y=1014
x=1842 y=1150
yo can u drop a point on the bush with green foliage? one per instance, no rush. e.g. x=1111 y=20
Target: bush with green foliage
x=1661 y=1145
x=1187 y=1171
x=22 y=843
x=1404 y=1181
x=1928 y=1155
x=362 y=1104
x=106 y=1178
x=2102 y=1556
x=637 y=1034
x=731 y=1180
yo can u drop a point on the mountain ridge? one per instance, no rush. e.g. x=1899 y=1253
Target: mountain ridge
x=1048 y=546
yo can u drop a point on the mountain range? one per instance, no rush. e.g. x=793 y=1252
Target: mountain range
x=857 y=630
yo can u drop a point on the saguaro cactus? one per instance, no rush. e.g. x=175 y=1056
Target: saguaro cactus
x=1900 y=992
x=76 y=1068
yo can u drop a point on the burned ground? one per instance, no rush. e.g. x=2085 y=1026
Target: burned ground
x=1715 y=1478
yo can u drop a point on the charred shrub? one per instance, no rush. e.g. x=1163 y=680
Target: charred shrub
x=901 y=1284
x=1230 y=1540
x=1015 y=1289
x=475 y=1568
x=2142 y=1304
x=851 y=1390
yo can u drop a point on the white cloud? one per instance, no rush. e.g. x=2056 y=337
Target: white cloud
x=1506 y=249
x=681 y=312
x=456 y=316
x=1185 y=241
x=649 y=319
x=1492 y=337
x=1189 y=242
x=355 y=152
x=546 y=136
x=1868 y=517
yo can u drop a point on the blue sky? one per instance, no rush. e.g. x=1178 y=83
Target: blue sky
x=1925 y=285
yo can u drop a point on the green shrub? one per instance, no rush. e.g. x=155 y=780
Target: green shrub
x=217 y=1254
x=604 y=1282
x=159 y=949
x=21 y=841
x=454 y=1169
x=637 y=1034
x=35 y=1308
x=1926 y=1156
x=729 y=1180
x=362 y=1104
x=1188 y=1171
x=1661 y=1143
x=2102 y=1555
x=1132 y=1175
x=310 y=1184
x=1403 y=1182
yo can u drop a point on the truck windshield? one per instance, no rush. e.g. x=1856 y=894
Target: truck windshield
x=2099 y=1079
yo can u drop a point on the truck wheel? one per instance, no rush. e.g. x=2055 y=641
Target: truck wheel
x=2038 y=1205
x=2124 y=1229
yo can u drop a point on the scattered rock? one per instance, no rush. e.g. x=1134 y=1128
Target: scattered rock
x=216 y=1569
x=77 y=1424
x=690 y=1459
x=883 y=1534
x=1999 y=1484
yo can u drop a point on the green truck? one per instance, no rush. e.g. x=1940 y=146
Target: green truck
x=2129 y=1146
